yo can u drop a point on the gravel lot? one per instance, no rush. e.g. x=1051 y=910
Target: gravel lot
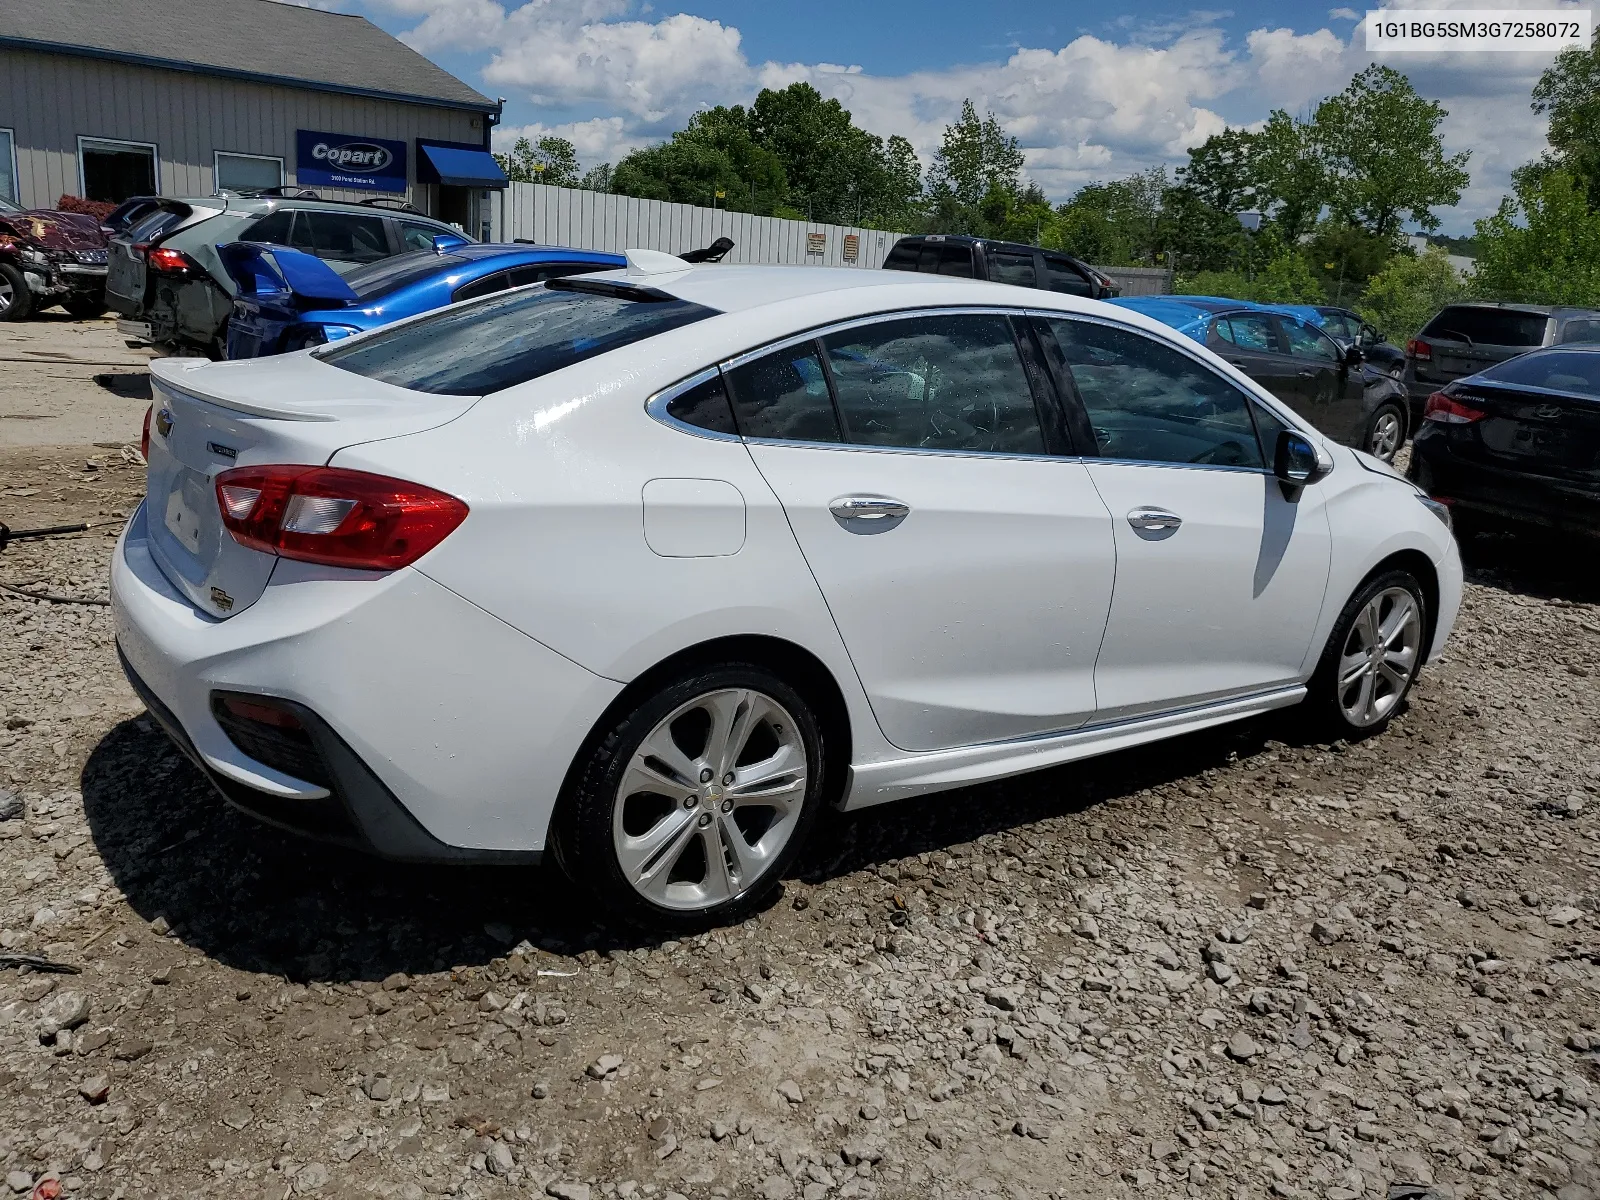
x=1240 y=966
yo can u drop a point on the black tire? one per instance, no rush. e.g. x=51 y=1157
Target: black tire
x=1386 y=431
x=86 y=308
x=1328 y=699
x=16 y=301
x=585 y=829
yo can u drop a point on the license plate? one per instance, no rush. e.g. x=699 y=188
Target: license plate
x=134 y=329
x=184 y=504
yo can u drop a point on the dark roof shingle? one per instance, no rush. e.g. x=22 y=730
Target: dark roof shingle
x=239 y=37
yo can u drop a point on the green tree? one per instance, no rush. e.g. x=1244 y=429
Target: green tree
x=1117 y=223
x=978 y=167
x=1385 y=155
x=597 y=178
x=1290 y=174
x=1402 y=297
x=1542 y=246
x=550 y=160
x=1343 y=257
x=1197 y=235
x=1222 y=171
x=836 y=171
x=1569 y=94
x=683 y=171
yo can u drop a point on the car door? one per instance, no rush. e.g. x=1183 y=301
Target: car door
x=1220 y=577
x=1060 y=275
x=1009 y=266
x=1334 y=393
x=1251 y=342
x=967 y=564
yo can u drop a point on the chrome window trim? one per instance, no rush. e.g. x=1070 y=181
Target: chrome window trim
x=942 y=310
x=656 y=406
x=793 y=444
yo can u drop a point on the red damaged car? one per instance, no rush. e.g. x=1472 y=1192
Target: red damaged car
x=50 y=257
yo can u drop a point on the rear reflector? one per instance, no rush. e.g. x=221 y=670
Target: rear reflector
x=1419 y=350
x=1451 y=410
x=335 y=517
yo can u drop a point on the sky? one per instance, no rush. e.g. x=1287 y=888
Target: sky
x=1094 y=91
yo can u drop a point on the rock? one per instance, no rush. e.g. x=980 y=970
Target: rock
x=563 y=1190
x=1242 y=1047
x=861 y=1152
x=19 y=1181
x=1028 y=1129
x=132 y=1049
x=1088 y=927
x=161 y=927
x=95 y=1089
x=1564 y=916
x=10 y=809
x=1505 y=1143
x=63 y=1010
x=1325 y=933
x=606 y=1064
x=1273 y=1094
x=1167 y=958
x=378 y=1088
x=1220 y=972
x=790 y=1091
x=310 y=1178
x=499 y=1159
x=237 y=1117
x=1005 y=999
x=777 y=1187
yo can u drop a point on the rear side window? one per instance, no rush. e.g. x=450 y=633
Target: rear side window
x=274 y=228
x=540 y=272
x=1558 y=370
x=1488 y=326
x=1341 y=325
x=498 y=281
x=1252 y=331
x=938 y=382
x=1149 y=403
x=903 y=257
x=949 y=260
x=1015 y=269
x=416 y=236
x=1581 y=331
x=507 y=339
x=784 y=395
x=1062 y=276
x=705 y=405
x=344 y=237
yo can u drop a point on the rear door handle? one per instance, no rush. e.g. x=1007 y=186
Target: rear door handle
x=868 y=508
x=1154 y=518
x=1307 y=374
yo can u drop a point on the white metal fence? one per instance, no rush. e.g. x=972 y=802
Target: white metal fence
x=555 y=216
x=598 y=221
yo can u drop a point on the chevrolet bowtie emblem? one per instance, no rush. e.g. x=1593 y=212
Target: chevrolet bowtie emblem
x=164 y=422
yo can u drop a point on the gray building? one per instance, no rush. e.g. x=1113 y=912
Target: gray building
x=107 y=99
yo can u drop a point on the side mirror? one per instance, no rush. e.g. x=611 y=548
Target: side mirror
x=443 y=243
x=1295 y=463
x=1352 y=355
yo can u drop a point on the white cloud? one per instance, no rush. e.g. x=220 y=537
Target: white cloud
x=1096 y=108
x=599 y=139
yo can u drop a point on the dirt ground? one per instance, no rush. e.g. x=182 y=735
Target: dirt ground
x=1239 y=965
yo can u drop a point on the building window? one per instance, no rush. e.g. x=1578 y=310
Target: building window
x=242 y=172
x=8 y=166
x=112 y=171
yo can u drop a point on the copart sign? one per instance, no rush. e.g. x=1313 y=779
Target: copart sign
x=349 y=160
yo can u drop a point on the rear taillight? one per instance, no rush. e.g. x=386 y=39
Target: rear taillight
x=144 y=438
x=1419 y=350
x=139 y=249
x=170 y=262
x=336 y=517
x=1451 y=410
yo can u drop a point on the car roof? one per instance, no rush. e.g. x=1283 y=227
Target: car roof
x=495 y=249
x=967 y=239
x=262 y=205
x=1545 y=310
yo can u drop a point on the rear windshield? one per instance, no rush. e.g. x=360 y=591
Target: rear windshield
x=152 y=225
x=392 y=274
x=1488 y=327
x=903 y=257
x=1555 y=370
x=500 y=341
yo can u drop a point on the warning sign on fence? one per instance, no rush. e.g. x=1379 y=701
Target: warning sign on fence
x=852 y=247
x=816 y=243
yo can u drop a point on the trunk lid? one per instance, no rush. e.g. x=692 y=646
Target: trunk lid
x=274 y=287
x=211 y=417
x=126 y=274
x=1535 y=431
x=1466 y=339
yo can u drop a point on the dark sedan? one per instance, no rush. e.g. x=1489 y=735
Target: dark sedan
x=1518 y=443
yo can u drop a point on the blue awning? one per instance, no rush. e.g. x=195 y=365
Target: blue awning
x=459 y=166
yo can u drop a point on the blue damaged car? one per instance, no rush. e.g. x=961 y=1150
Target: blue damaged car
x=288 y=300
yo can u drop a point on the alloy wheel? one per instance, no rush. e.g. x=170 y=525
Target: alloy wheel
x=7 y=295
x=1386 y=432
x=1381 y=653
x=710 y=799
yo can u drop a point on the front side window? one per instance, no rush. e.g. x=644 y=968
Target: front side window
x=8 y=166
x=1306 y=342
x=1148 y=402
x=414 y=235
x=503 y=340
x=1252 y=331
x=343 y=237
x=1341 y=325
x=1062 y=276
x=784 y=395
x=937 y=382
x=1015 y=269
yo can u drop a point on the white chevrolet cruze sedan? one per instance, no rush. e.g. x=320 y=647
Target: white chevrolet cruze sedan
x=646 y=567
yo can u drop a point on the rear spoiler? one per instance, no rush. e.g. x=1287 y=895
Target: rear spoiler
x=265 y=271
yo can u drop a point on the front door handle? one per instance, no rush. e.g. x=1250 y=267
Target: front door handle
x=1307 y=374
x=868 y=508
x=1154 y=518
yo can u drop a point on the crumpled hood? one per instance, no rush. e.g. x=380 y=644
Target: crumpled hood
x=49 y=229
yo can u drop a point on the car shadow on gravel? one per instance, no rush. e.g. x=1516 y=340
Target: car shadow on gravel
x=1534 y=563
x=263 y=901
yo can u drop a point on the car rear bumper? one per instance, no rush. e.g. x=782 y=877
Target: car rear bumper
x=1509 y=496
x=437 y=732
